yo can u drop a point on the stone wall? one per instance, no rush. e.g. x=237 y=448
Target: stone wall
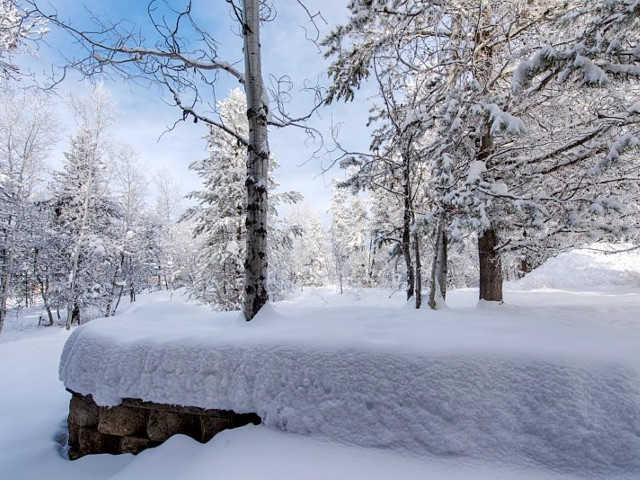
x=135 y=425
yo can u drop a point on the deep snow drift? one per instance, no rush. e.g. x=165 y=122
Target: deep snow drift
x=531 y=385
x=545 y=386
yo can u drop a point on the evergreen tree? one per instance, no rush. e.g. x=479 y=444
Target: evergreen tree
x=503 y=159
x=85 y=211
x=309 y=253
x=221 y=215
x=349 y=239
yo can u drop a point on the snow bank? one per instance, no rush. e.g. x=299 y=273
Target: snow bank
x=587 y=268
x=513 y=384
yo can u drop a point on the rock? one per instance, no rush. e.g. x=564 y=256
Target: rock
x=83 y=412
x=163 y=424
x=90 y=441
x=136 y=445
x=122 y=421
x=136 y=425
x=213 y=423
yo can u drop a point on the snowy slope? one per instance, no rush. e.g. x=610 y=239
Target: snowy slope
x=551 y=379
x=586 y=268
x=543 y=387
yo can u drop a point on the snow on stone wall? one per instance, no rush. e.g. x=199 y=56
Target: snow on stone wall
x=477 y=384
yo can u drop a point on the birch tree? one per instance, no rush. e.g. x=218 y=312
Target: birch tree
x=27 y=126
x=184 y=59
x=130 y=187
x=221 y=217
x=19 y=31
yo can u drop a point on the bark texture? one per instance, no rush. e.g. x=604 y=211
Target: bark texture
x=416 y=249
x=406 y=230
x=490 y=267
x=438 y=290
x=256 y=263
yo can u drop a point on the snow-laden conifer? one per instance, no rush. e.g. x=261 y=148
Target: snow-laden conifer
x=220 y=217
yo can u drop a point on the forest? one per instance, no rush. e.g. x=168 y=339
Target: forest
x=465 y=307
x=502 y=133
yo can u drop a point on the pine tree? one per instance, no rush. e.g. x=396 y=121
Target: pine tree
x=85 y=211
x=309 y=253
x=221 y=215
x=349 y=239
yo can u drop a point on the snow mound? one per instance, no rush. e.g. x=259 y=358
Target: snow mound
x=587 y=268
x=480 y=384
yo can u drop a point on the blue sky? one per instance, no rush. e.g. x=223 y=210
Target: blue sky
x=145 y=115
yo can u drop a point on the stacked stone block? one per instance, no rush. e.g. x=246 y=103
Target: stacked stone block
x=135 y=425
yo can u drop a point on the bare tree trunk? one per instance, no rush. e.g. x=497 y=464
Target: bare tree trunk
x=441 y=274
x=490 y=267
x=7 y=269
x=4 y=284
x=44 y=287
x=418 y=291
x=71 y=305
x=372 y=263
x=406 y=233
x=115 y=308
x=114 y=284
x=525 y=267
x=438 y=290
x=75 y=314
x=256 y=262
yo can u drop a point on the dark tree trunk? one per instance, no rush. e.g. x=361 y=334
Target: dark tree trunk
x=115 y=308
x=372 y=264
x=418 y=290
x=75 y=314
x=444 y=263
x=49 y=315
x=525 y=267
x=27 y=303
x=490 y=267
x=44 y=293
x=5 y=258
x=406 y=232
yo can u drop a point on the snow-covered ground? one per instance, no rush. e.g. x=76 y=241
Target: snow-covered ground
x=546 y=386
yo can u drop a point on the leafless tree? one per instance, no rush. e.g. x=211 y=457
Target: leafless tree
x=184 y=59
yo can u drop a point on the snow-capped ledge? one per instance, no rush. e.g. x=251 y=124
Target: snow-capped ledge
x=478 y=384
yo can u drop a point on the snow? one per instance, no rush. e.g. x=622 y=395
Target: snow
x=591 y=73
x=545 y=386
x=623 y=143
x=474 y=174
x=595 y=267
x=502 y=121
x=529 y=68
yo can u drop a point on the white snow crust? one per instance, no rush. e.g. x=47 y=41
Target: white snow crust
x=543 y=387
x=549 y=380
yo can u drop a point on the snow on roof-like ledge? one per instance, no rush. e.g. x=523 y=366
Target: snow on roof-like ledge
x=479 y=383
